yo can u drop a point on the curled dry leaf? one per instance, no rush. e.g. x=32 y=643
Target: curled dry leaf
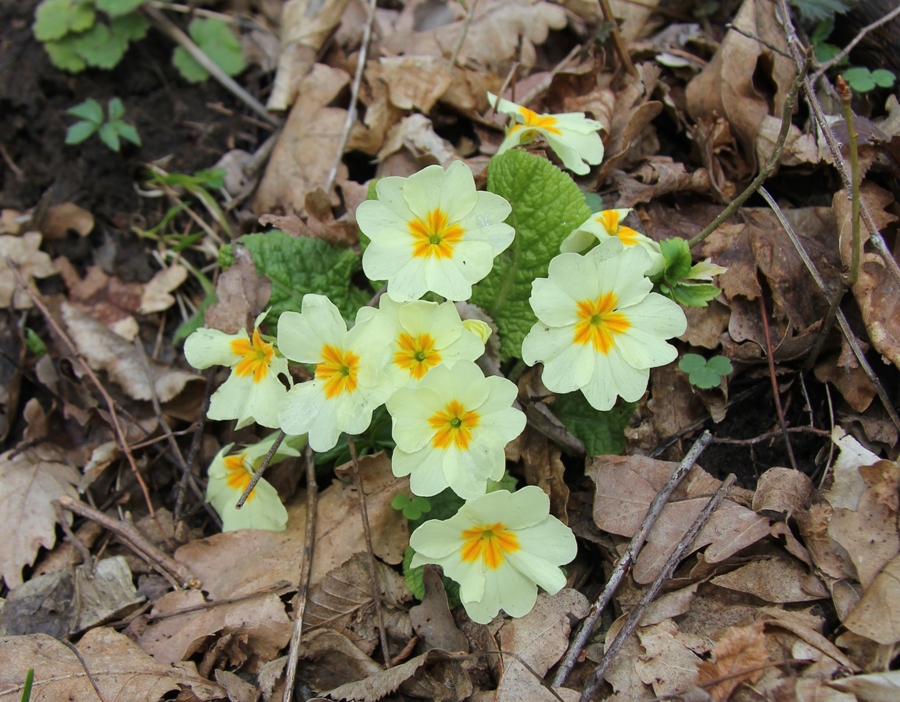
x=64 y=217
x=875 y=687
x=852 y=382
x=432 y=620
x=781 y=492
x=25 y=254
x=119 y=668
x=416 y=134
x=876 y=616
x=241 y=294
x=740 y=649
x=156 y=297
x=656 y=176
x=544 y=467
x=781 y=579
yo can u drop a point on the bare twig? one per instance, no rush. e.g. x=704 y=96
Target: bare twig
x=755 y=37
x=843 y=53
x=618 y=40
x=354 y=96
x=74 y=540
x=771 y=435
x=627 y=560
x=166 y=25
x=312 y=495
x=373 y=572
x=188 y=476
x=84 y=666
x=841 y=317
x=277 y=588
x=770 y=357
x=465 y=31
x=650 y=594
x=133 y=538
x=258 y=473
x=769 y=166
x=846 y=96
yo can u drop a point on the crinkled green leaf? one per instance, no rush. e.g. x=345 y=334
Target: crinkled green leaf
x=53 y=19
x=131 y=27
x=414 y=579
x=89 y=110
x=601 y=433
x=115 y=8
x=298 y=265
x=820 y=9
x=35 y=344
x=100 y=47
x=546 y=207
x=693 y=294
x=217 y=41
x=64 y=54
x=677 y=255
x=80 y=131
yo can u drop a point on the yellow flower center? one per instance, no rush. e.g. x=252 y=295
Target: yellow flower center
x=490 y=543
x=610 y=221
x=454 y=425
x=598 y=322
x=256 y=356
x=535 y=121
x=435 y=236
x=239 y=474
x=338 y=369
x=417 y=355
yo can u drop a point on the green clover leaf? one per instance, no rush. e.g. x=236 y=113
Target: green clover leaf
x=412 y=508
x=702 y=373
x=217 y=41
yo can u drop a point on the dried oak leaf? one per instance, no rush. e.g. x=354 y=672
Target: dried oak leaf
x=432 y=620
x=875 y=687
x=29 y=482
x=25 y=254
x=740 y=649
x=119 y=668
x=779 y=579
x=625 y=487
x=876 y=616
x=670 y=661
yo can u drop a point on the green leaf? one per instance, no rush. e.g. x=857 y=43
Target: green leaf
x=594 y=201
x=53 y=19
x=100 y=48
x=29 y=682
x=115 y=8
x=35 y=344
x=412 y=508
x=443 y=506
x=130 y=27
x=64 y=54
x=860 y=79
x=216 y=40
x=414 y=579
x=127 y=132
x=89 y=110
x=883 y=78
x=108 y=136
x=677 y=255
x=80 y=131
x=115 y=109
x=822 y=31
x=213 y=178
x=814 y=10
x=702 y=373
x=720 y=365
x=297 y=266
x=601 y=432
x=546 y=207
x=825 y=52
x=691 y=362
x=694 y=294
x=196 y=320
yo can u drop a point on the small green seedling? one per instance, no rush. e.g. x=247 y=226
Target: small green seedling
x=862 y=80
x=109 y=131
x=29 y=681
x=35 y=344
x=681 y=280
x=702 y=373
x=412 y=508
x=218 y=42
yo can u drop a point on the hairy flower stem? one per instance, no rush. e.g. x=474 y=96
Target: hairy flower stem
x=846 y=95
x=258 y=473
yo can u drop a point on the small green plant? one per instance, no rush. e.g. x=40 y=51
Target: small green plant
x=110 y=131
x=702 y=373
x=412 y=508
x=75 y=34
x=35 y=345
x=218 y=42
x=820 y=9
x=861 y=79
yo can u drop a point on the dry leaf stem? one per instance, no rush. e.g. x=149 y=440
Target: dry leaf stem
x=764 y=172
x=593 y=682
x=770 y=435
x=627 y=559
x=132 y=538
x=465 y=30
x=770 y=357
x=74 y=540
x=188 y=476
x=276 y=589
x=841 y=317
x=843 y=53
x=799 y=55
x=312 y=498
x=84 y=666
x=370 y=552
x=618 y=40
x=166 y=25
x=846 y=96
x=258 y=473
x=354 y=96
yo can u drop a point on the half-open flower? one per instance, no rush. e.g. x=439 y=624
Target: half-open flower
x=571 y=135
x=253 y=391
x=427 y=334
x=499 y=548
x=231 y=473
x=433 y=231
x=349 y=380
x=452 y=428
x=606 y=225
x=600 y=328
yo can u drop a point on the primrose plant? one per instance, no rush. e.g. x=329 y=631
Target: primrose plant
x=597 y=321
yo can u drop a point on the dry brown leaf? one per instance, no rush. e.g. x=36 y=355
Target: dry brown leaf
x=813 y=525
x=706 y=324
x=107 y=351
x=718 y=154
x=727 y=86
x=242 y=294
x=875 y=290
x=11 y=221
x=432 y=620
x=657 y=176
x=853 y=383
x=625 y=487
x=798 y=148
x=634 y=17
x=25 y=254
x=781 y=492
x=416 y=134
x=29 y=482
x=414 y=82
x=237 y=689
x=669 y=605
x=741 y=648
x=621 y=674
x=105 y=298
x=331 y=660
x=805 y=625
x=543 y=467
x=670 y=662
x=156 y=297
x=779 y=579
x=876 y=616
x=875 y=687
x=63 y=217
x=674 y=403
x=119 y=668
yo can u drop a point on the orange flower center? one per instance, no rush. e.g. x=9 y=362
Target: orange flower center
x=610 y=221
x=598 y=322
x=417 y=355
x=535 y=121
x=435 y=236
x=490 y=543
x=454 y=425
x=338 y=369
x=239 y=474
x=256 y=356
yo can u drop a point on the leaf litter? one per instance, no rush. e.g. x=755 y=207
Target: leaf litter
x=790 y=590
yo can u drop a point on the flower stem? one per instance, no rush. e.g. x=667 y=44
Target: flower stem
x=846 y=95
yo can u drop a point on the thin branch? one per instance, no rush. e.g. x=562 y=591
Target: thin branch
x=188 y=476
x=275 y=589
x=843 y=53
x=841 y=317
x=132 y=537
x=354 y=96
x=786 y=114
x=593 y=682
x=373 y=573
x=166 y=25
x=771 y=435
x=618 y=41
x=258 y=473
x=465 y=30
x=312 y=495
x=769 y=45
x=770 y=357
x=84 y=666
x=846 y=96
x=74 y=540
x=627 y=559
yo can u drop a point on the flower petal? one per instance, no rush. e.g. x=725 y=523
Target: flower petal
x=210 y=347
